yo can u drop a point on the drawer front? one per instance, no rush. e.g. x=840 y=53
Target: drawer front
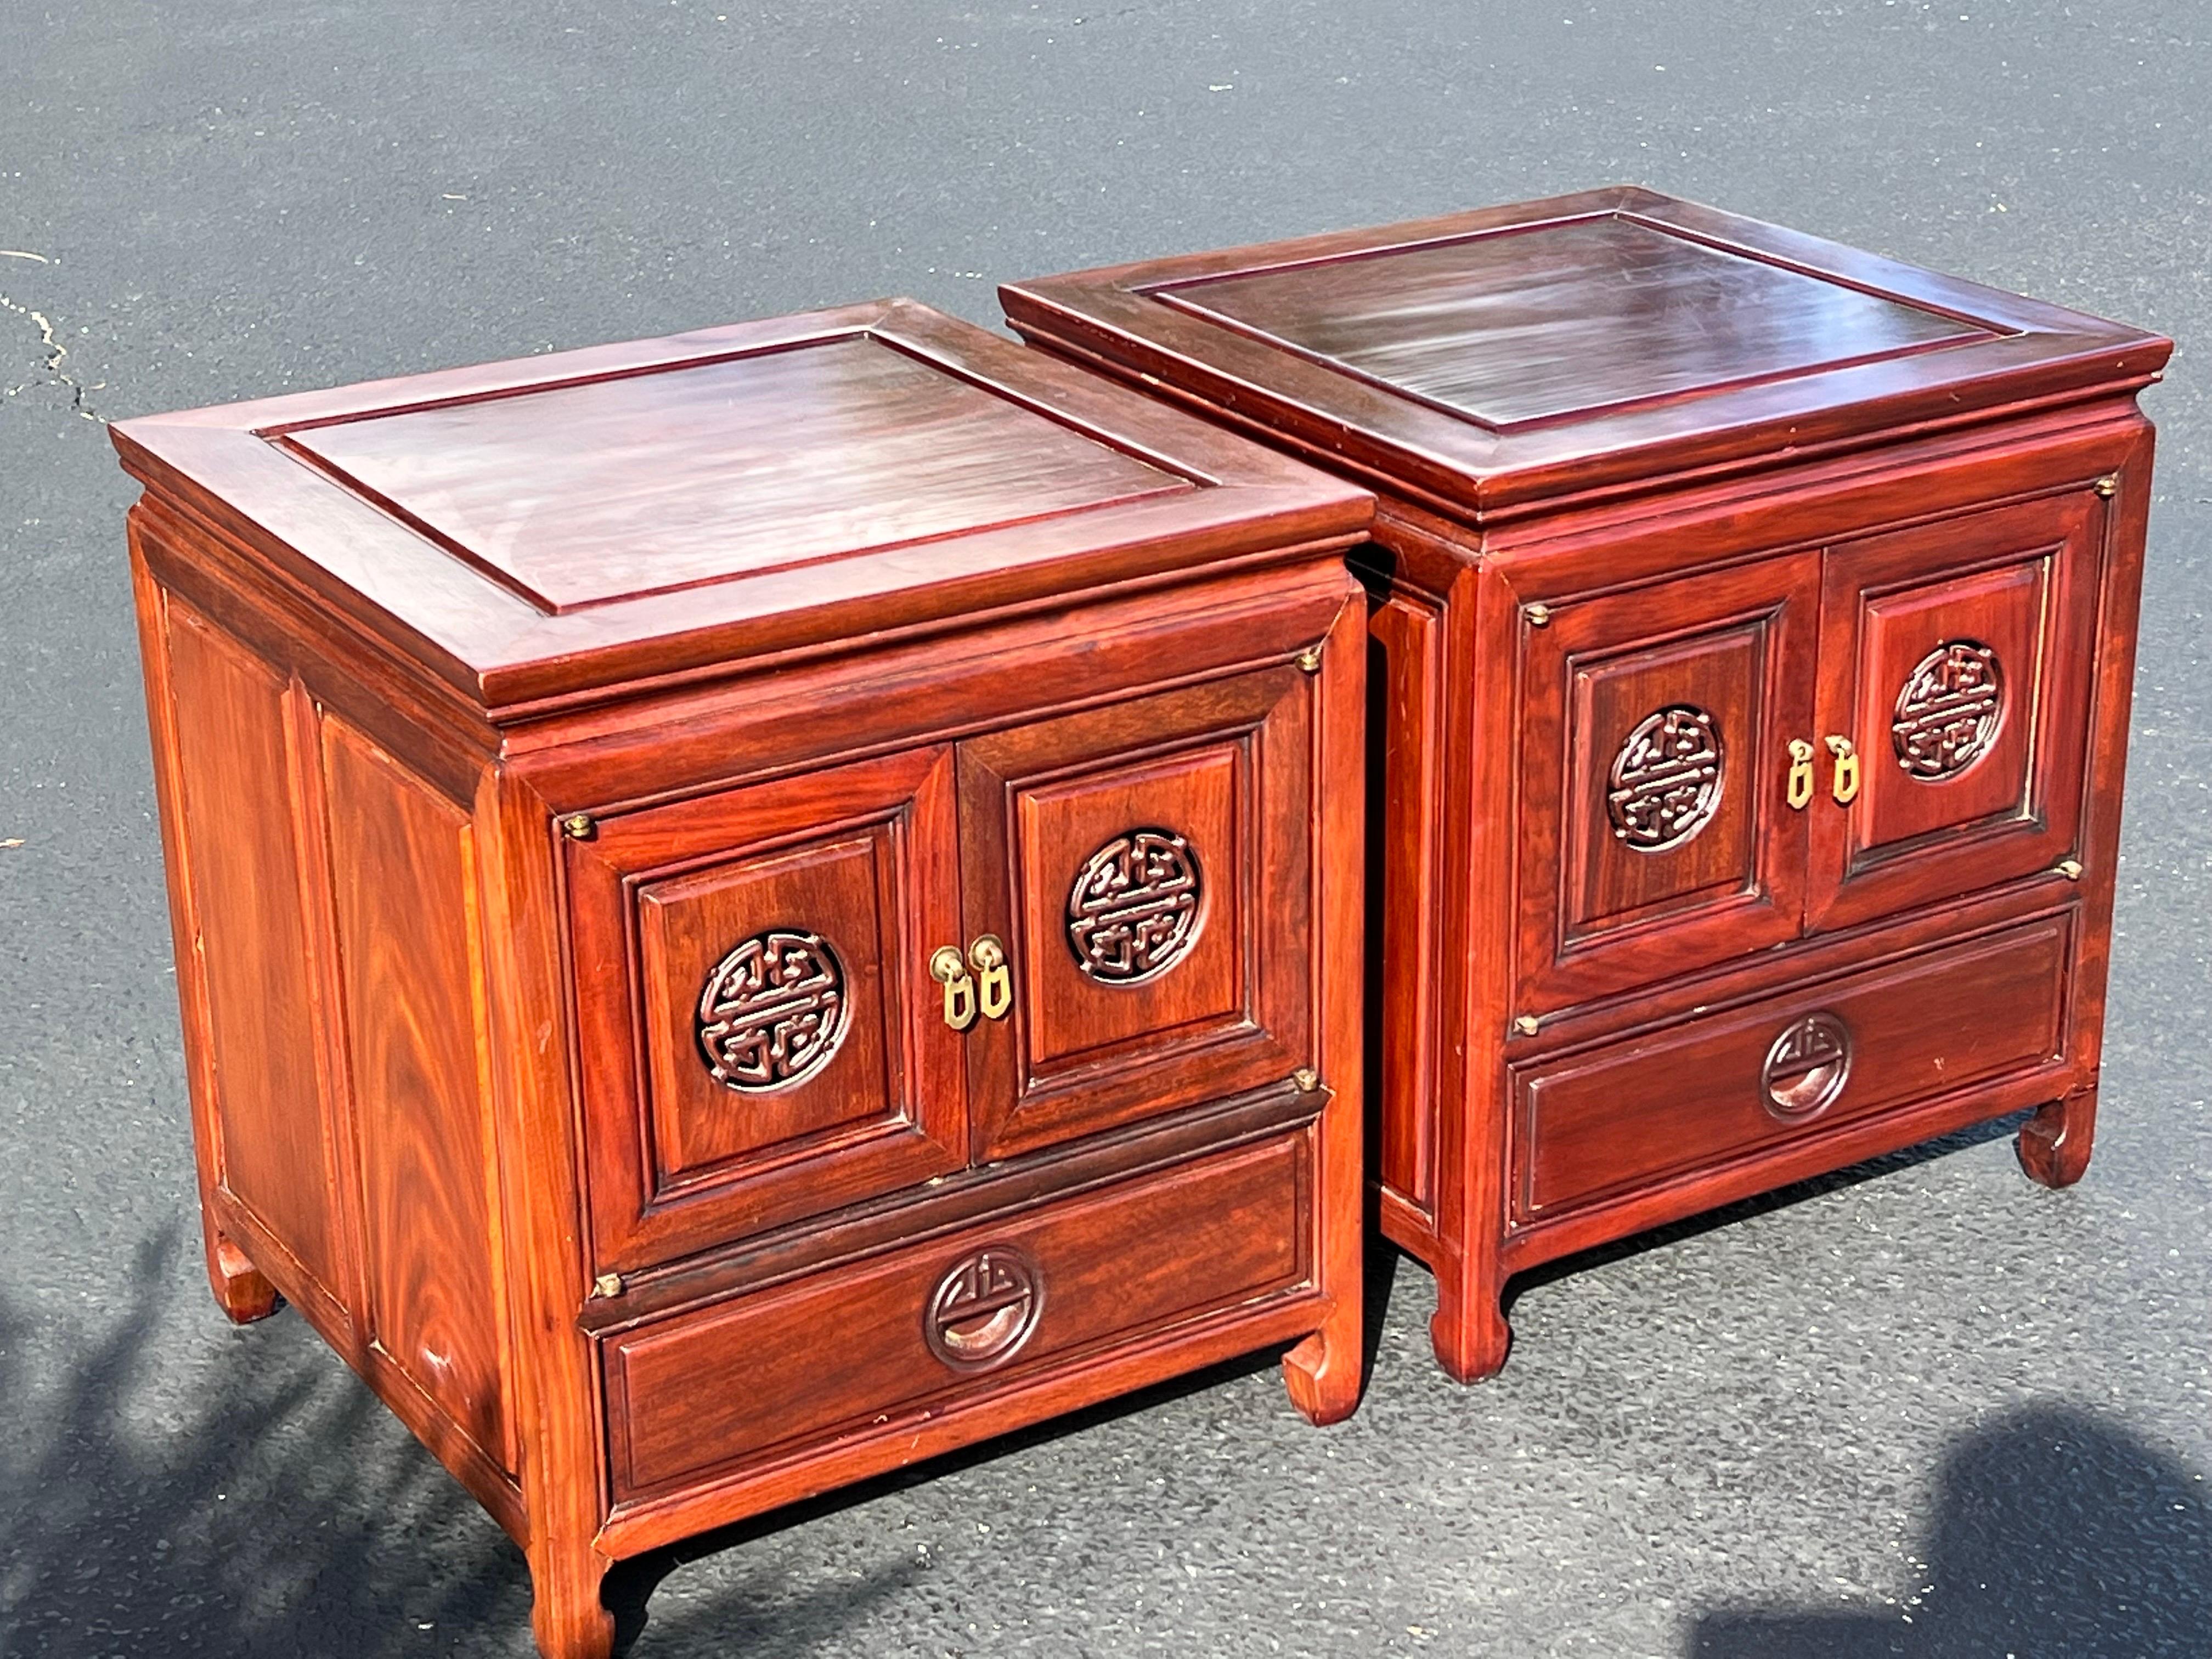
x=1597 y=1125
x=862 y=1348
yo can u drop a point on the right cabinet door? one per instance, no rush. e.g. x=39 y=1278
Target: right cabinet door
x=1956 y=666
x=1146 y=871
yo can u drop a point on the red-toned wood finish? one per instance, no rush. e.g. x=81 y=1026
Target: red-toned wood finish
x=870 y=1352
x=753 y=908
x=1754 y=625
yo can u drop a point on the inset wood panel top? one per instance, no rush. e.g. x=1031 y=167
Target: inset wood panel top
x=1566 y=318
x=1587 y=346
x=546 y=531
x=577 y=495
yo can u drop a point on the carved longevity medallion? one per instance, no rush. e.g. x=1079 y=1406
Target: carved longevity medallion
x=1807 y=1066
x=1665 y=785
x=1947 y=712
x=984 y=1309
x=772 y=1011
x=1132 y=913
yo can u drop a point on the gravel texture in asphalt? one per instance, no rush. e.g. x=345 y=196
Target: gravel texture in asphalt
x=1925 y=1409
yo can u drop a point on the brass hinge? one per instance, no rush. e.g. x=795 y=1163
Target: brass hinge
x=1309 y=659
x=2109 y=485
x=1526 y=1026
x=607 y=1284
x=1539 y=615
x=579 y=826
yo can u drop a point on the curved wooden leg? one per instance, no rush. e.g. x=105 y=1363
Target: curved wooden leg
x=1323 y=1372
x=2054 y=1145
x=566 y=1613
x=240 y=1292
x=1469 y=1332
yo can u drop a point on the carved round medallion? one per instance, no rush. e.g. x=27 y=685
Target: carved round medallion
x=984 y=1309
x=772 y=1011
x=1948 y=711
x=1665 y=785
x=1807 y=1066
x=1134 y=911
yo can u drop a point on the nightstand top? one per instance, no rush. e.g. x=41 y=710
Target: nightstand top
x=556 y=524
x=1554 y=348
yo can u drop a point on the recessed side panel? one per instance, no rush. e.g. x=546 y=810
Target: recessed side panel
x=403 y=875
x=1656 y=829
x=274 y=1151
x=1406 y=679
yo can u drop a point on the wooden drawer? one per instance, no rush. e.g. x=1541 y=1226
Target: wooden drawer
x=1732 y=1085
x=864 y=1349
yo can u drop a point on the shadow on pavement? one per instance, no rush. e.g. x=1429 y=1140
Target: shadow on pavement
x=2055 y=1533
x=284 y=1513
x=259 y=1519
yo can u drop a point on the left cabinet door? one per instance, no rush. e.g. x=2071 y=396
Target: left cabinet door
x=759 y=1038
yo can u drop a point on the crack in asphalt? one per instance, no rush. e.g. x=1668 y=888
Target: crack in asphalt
x=56 y=351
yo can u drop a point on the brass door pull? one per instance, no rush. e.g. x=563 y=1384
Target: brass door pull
x=989 y=958
x=949 y=969
x=1845 y=788
x=1801 y=774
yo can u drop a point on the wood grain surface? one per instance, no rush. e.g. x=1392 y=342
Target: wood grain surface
x=1619 y=338
x=608 y=490
x=558 y=527
x=1563 y=320
x=505 y=718
x=1652 y=467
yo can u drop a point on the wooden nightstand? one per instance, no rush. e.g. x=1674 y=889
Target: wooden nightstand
x=1755 y=630
x=755 y=906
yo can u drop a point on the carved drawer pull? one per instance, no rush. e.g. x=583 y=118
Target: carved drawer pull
x=1807 y=1066
x=1846 y=785
x=984 y=1309
x=1800 y=773
x=949 y=969
x=989 y=958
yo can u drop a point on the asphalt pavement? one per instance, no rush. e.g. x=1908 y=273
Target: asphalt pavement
x=1925 y=1409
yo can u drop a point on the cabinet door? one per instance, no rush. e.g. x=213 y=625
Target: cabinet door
x=1655 y=835
x=760 y=1039
x=1148 y=868
x=1957 y=660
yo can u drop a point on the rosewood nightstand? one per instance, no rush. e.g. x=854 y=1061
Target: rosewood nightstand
x=1755 y=627
x=754 y=907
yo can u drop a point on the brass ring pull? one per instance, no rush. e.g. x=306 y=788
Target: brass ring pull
x=1845 y=788
x=989 y=958
x=948 y=969
x=1801 y=774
